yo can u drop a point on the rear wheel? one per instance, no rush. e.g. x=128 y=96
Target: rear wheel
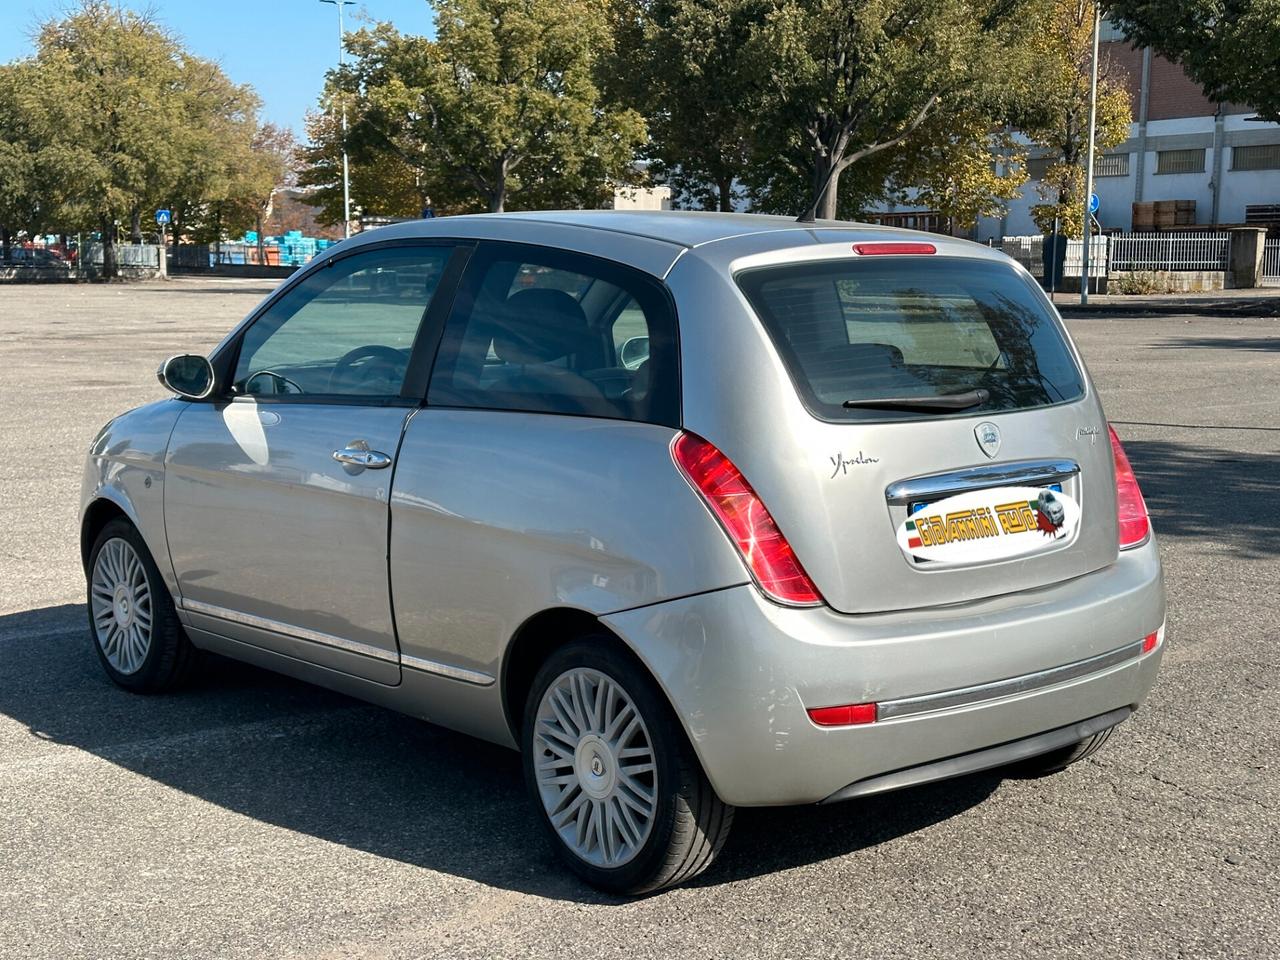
x=132 y=619
x=617 y=786
x=1058 y=760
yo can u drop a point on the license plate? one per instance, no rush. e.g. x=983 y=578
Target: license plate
x=916 y=505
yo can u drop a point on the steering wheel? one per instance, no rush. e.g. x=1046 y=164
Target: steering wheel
x=278 y=379
x=345 y=371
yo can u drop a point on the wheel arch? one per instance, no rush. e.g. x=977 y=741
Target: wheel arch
x=540 y=636
x=101 y=511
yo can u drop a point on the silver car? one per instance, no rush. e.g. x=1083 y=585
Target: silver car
x=697 y=511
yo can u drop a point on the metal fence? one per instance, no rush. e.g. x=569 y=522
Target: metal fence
x=1029 y=251
x=1271 y=264
x=1206 y=250
x=127 y=255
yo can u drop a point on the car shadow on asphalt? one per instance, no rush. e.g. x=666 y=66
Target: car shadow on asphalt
x=1225 y=497
x=308 y=760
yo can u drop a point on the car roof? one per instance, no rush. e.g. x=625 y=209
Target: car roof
x=652 y=240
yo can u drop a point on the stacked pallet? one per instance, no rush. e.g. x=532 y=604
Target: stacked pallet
x=1164 y=214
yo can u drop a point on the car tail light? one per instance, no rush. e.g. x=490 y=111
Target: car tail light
x=1131 y=509
x=896 y=248
x=849 y=715
x=765 y=550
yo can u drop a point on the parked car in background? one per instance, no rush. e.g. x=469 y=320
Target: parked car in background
x=697 y=511
x=36 y=257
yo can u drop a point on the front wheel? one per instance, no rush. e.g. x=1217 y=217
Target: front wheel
x=617 y=786
x=132 y=619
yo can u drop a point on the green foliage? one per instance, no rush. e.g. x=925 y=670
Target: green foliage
x=502 y=109
x=1230 y=47
x=681 y=63
x=1059 y=118
x=112 y=118
x=850 y=83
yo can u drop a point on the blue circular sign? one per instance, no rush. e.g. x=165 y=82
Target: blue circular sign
x=1094 y=203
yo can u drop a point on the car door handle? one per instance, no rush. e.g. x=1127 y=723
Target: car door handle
x=357 y=454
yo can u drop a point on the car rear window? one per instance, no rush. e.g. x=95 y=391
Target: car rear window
x=909 y=327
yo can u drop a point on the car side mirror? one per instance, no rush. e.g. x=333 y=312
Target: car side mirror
x=187 y=375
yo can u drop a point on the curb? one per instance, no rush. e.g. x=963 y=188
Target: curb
x=1260 y=308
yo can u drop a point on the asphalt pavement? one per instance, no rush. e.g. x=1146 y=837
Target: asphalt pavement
x=253 y=816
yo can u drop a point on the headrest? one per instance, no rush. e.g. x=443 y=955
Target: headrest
x=538 y=326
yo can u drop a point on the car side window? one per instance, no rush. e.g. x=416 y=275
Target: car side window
x=345 y=331
x=548 y=331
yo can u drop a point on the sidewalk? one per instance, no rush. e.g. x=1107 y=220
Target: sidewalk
x=1263 y=302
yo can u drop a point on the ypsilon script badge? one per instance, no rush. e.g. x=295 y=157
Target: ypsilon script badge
x=988 y=435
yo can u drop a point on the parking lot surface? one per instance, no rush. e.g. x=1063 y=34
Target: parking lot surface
x=253 y=816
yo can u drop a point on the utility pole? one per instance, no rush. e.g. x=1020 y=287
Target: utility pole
x=1088 y=175
x=346 y=173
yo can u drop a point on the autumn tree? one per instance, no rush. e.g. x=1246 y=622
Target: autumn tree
x=1059 y=121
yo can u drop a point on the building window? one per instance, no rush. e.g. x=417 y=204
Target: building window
x=1265 y=156
x=927 y=220
x=1180 y=161
x=1037 y=167
x=1111 y=165
x=1110 y=33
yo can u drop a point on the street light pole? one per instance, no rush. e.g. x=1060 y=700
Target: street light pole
x=346 y=173
x=1088 y=176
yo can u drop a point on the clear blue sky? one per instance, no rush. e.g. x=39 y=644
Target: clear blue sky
x=281 y=47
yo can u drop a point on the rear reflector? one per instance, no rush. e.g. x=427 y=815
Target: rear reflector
x=899 y=248
x=1153 y=640
x=1131 y=508
x=764 y=549
x=846 y=716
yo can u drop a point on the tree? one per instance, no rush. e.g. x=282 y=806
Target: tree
x=962 y=167
x=681 y=63
x=503 y=106
x=382 y=183
x=1227 y=46
x=1063 y=50
x=112 y=117
x=850 y=81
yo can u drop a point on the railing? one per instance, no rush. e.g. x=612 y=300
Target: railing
x=1207 y=250
x=1271 y=264
x=1029 y=251
x=127 y=255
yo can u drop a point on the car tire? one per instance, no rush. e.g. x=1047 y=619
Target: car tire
x=611 y=773
x=132 y=620
x=1058 y=760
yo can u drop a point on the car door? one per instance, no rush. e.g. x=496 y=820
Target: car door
x=276 y=499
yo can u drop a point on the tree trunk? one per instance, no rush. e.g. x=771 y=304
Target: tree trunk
x=109 y=268
x=824 y=203
x=135 y=225
x=498 y=195
x=725 y=186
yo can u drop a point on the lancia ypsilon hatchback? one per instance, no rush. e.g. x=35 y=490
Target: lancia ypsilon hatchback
x=697 y=511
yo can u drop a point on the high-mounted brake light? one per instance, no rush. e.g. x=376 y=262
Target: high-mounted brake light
x=764 y=549
x=895 y=248
x=1131 y=508
x=851 y=714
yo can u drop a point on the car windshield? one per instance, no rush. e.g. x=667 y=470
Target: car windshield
x=856 y=332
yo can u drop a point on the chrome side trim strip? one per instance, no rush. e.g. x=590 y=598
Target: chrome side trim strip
x=445 y=670
x=1016 y=474
x=287 y=630
x=910 y=706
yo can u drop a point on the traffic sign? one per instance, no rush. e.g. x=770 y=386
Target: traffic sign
x=163 y=217
x=1094 y=203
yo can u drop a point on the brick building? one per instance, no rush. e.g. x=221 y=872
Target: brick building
x=1181 y=147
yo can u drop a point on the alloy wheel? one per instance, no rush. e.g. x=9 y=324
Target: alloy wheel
x=595 y=767
x=120 y=597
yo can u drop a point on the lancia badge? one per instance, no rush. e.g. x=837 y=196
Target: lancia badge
x=988 y=435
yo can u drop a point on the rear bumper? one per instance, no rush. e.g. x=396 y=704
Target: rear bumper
x=741 y=671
